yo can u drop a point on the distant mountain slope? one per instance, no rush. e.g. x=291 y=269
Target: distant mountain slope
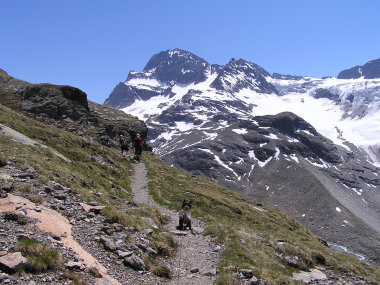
x=294 y=142
x=369 y=70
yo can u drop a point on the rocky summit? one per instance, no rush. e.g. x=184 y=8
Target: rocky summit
x=308 y=146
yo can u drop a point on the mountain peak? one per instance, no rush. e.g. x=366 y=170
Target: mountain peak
x=177 y=65
x=247 y=66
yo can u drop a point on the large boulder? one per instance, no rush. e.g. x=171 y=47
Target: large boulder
x=12 y=262
x=55 y=101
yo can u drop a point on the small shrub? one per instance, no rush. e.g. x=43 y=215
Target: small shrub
x=25 y=188
x=37 y=199
x=3 y=160
x=163 y=271
x=75 y=278
x=163 y=249
x=40 y=257
x=116 y=216
x=166 y=244
x=23 y=220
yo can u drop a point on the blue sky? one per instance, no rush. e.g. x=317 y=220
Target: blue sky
x=93 y=44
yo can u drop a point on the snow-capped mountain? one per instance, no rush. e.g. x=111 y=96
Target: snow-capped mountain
x=292 y=142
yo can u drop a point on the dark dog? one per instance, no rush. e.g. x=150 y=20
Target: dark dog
x=124 y=146
x=184 y=216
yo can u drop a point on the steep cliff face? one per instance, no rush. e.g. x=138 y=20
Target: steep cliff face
x=68 y=108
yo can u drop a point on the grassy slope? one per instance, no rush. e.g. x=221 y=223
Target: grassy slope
x=251 y=236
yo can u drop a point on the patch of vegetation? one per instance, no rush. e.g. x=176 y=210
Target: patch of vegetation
x=164 y=243
x=257 y=240
x=75 y=278
x=37 y=199
x=40 y=257
x=3 y=160
x=163 y=271
x=5 y=177
x=26 y=188
x=120 y=217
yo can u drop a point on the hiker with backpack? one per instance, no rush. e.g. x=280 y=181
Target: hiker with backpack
x=138 y=141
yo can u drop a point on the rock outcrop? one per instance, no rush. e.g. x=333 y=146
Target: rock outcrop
x=68 y=108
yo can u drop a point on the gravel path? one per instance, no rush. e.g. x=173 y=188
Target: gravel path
x=196 y=253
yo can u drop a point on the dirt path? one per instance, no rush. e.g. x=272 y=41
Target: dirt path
x=195 y=251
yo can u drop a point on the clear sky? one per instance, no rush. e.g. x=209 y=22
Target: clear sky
x=93 y=44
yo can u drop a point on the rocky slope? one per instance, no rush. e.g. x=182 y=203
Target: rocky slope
x=68 y=108
x=318 y=162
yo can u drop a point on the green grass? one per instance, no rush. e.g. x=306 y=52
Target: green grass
x=3 y=160
x=251 y=236
x=37 y=199
x=163 y=271
x=92 y=166
x=40 y=257
x=75 y=278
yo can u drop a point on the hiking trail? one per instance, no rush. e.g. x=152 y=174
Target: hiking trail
x=196 y=252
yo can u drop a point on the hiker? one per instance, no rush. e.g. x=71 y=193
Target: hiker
x=123 y=144
x=138 y=146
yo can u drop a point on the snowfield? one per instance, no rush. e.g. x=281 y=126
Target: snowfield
x=336 y=121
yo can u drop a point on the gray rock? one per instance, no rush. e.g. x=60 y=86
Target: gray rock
x=146 y=248
x=190 y=276
x=123 y=254
x=135 y=262
x=197 y=230
x=194 y=270
x=3 y=276
x=13 y=261
x=108 y=244
x=211 y=272
x=246 y=273
x=179 y=233
x=150 y=222
x=308 y=277
x=217 y=248
x=147 y=231
x=73 y=265
x=253 y=281
x=292 y=261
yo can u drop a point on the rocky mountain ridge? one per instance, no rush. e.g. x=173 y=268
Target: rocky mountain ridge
x=67 y=107
x=235 y=127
